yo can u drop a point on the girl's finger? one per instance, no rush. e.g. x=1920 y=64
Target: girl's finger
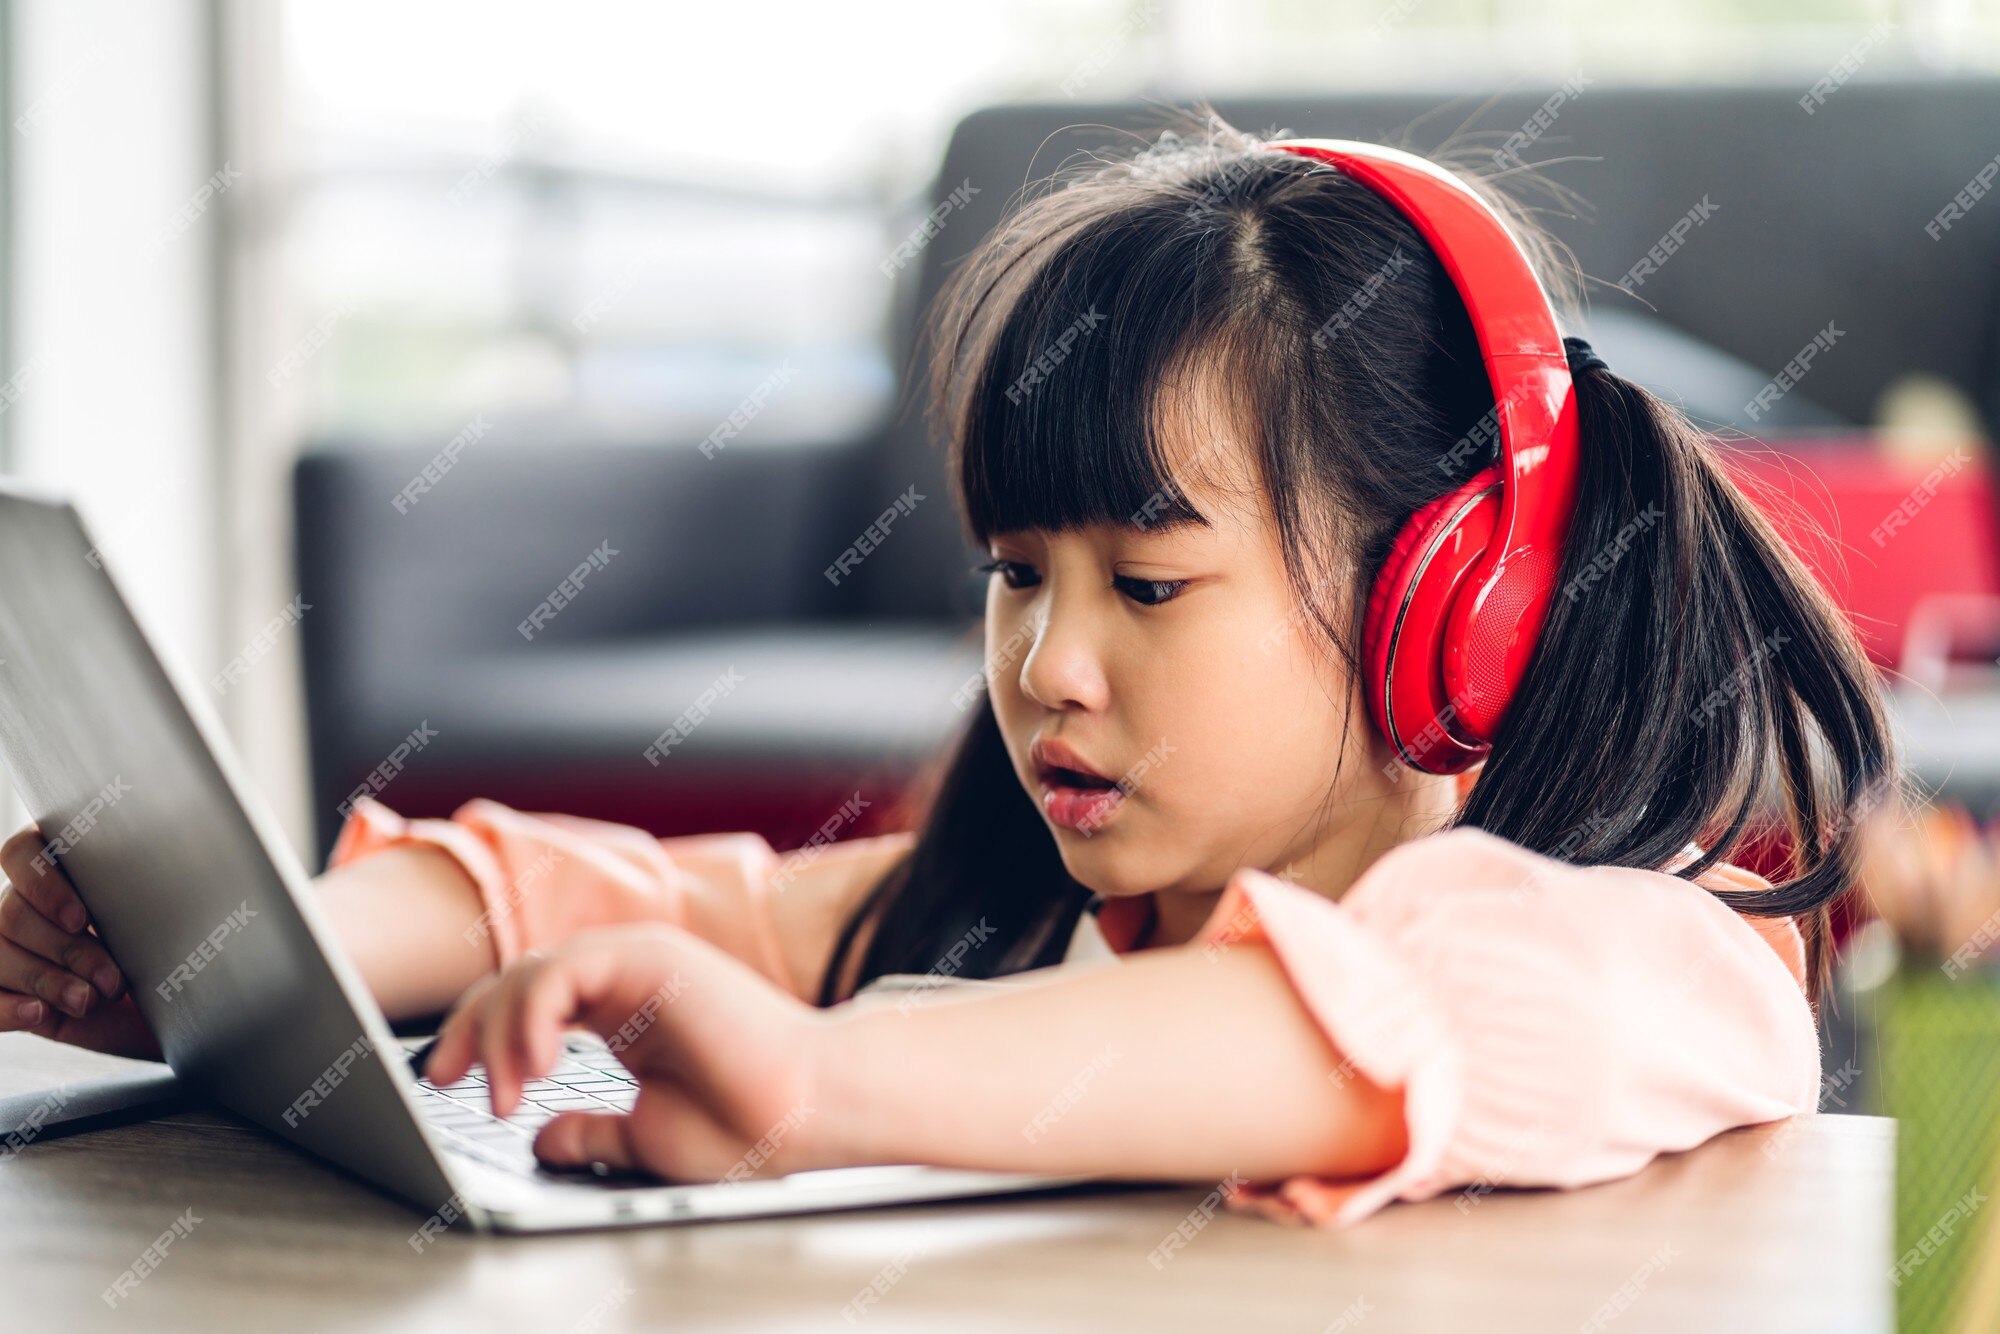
x=503 y=1083
x=83 y=956
x=19 y=1013
x=496 y=1040
x=451 y=1058
x=573 y=1139
x=24 y=858
x=538 y=1016
x=31 y=974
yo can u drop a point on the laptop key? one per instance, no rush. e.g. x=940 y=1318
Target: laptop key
x=570 y=1104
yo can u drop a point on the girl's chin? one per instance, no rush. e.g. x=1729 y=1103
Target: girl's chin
x=1112 y=873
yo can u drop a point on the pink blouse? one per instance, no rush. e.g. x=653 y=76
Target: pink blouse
x=1550 y=1025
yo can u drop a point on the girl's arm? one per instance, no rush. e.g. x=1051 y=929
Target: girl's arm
x=1175 y=1063
x=1179 y=1064
x=404 y=916
x=1468 y=1014
x=407 y=900
x=419 y=925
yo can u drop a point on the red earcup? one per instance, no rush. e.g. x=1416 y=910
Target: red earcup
x=1490 y=635
x=1409 y=615
x=1446 y=643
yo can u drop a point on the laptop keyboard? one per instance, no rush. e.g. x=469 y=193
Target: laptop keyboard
x=588 y=1078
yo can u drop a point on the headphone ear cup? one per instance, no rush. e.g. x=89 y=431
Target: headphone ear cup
x=1490 y=636
x=1404 y=628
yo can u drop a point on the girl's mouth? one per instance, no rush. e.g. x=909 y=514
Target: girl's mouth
x=1079 y=801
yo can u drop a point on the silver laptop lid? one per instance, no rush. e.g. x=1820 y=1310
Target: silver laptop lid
x=193 y=889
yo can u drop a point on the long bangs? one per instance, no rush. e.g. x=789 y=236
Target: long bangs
x=1057 y=372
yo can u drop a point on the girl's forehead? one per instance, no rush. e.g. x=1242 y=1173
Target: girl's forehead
x=1218 y=476
x=1206 y=437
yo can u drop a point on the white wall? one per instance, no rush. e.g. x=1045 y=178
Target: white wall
x=112 y=344
x=112 y=305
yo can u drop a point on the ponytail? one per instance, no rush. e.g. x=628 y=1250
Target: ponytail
x=1692 y=676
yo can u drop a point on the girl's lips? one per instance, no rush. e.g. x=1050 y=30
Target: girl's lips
x=1084 y=809
x=1051 y=756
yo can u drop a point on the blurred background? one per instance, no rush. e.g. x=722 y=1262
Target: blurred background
x=511 y=375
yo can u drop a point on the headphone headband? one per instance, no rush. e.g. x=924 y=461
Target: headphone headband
x=1497 y=602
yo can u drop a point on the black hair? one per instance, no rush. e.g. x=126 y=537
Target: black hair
x=1692 y=677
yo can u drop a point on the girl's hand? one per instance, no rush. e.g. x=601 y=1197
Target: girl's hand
x=56 y=978
x=726 y=1061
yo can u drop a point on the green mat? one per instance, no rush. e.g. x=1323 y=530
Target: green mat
x=1939 y=1040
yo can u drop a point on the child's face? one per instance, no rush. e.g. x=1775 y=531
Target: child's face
x=1220 y=708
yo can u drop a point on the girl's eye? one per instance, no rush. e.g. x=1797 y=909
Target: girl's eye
x=1145 y=592
x=1006 y=569
x=1150 y=592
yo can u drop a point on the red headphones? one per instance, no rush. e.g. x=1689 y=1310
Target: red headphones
x=1454 y=615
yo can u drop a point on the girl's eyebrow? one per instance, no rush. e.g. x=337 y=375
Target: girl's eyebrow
x=1162 y=524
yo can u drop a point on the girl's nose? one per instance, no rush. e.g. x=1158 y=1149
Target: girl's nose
x=1063 y=667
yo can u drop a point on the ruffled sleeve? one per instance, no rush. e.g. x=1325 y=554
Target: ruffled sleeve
x=542 y=877
x=1549 y=1025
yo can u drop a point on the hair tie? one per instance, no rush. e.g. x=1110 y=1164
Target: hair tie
x=1582 y=357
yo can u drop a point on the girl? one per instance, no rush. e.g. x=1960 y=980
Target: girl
x=1191 y=397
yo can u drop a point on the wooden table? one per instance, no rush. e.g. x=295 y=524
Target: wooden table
x=1766 y=1229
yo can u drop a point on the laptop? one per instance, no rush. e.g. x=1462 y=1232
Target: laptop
x=206 y=908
